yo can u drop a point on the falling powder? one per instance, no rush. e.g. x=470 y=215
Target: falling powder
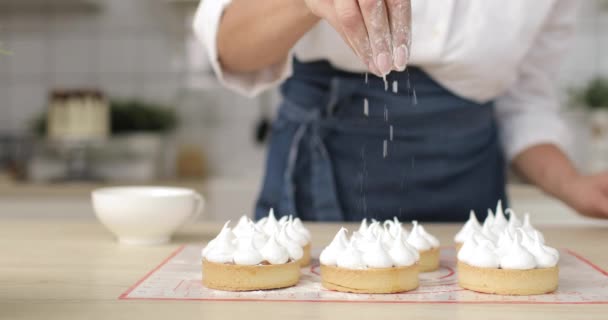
x=361 y=179
x=409 y=85
x=385 y=148
x=395 y=86
x=414 y=98
x=385 y=114
x=363 y=175
x=366 y=107
x=366 y=77
x=391 y=132
x=385 y=83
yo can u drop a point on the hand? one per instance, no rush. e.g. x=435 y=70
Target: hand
x=378 y=31
x=588 y=195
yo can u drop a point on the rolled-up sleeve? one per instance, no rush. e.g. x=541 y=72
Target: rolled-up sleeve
x=528 y=113
x=206 y=25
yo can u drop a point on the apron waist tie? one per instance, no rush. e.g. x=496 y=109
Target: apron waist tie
x=323 y=186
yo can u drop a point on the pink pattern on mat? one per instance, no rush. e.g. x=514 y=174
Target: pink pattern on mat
x=178 y=277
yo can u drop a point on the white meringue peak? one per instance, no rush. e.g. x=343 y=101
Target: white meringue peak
x=469 y=227
x=243 y=226
x=517 y=244
x=420 y=239
x=299 y=226
x=225 y=235
x=514 y=221
x=545 y=256
x=393 y=226
x=402 y=253
x=273 y=252
x=372 y=246
x=500 y=222
x=467 y=249
x=222 y=248
x=363 y=226
x=283 y=220
x=375 y=229
x=295 y=228
x=484 y=255
x=350 y=258
x=329 y=255
x=489 y=219
x=514 y=250
x=271 y=226
x=517 y=256
x=247 y=253
x=489 y=232
x=377 y=257
x=294 y=249
x=248 y=242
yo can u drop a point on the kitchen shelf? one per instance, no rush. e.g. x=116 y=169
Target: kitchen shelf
x=188 y=3
x=183 y=1
x=42 y=6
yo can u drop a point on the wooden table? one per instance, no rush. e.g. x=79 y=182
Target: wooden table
x=65 y=270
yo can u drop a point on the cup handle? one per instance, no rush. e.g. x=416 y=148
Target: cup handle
x=198 y=207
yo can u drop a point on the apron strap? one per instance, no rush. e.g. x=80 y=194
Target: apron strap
x=323 y=186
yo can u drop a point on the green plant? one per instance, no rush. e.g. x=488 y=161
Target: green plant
x=4 y=51
x=136 y=116
x=594 y=95
x=128 y=116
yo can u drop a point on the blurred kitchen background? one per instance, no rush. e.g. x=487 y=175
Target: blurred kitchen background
x=150 y=112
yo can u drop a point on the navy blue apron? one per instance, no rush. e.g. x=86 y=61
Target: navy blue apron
x=421 y=153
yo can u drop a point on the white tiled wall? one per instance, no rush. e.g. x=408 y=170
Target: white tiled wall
x=128 y=48
x=588 y=55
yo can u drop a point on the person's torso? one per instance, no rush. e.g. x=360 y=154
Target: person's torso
x=344 y=148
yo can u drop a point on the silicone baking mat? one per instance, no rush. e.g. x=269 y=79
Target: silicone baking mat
x=179 y=278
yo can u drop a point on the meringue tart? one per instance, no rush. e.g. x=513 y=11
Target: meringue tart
x=366 y=264
x=371 y=280
x=508 y=281
x=250 y=260
x=515 y=262
x=295 y=231
x=233 y=277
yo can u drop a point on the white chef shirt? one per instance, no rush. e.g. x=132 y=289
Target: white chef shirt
x=482 y=50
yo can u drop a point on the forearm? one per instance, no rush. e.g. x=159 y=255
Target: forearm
x=547 y=167
x=256 y=34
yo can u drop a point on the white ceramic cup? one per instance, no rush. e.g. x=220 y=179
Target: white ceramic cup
x=145 y=215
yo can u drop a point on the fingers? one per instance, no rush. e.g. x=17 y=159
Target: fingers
x=594 y=204
x=400 y=17
x=602 y=180
x=602 y=197
x=603 y=208
x=600 y=209
x=352 y=26
x=379 y=32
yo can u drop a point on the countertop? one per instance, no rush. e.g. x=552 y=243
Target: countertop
x=72 y=201
x=56 y=269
